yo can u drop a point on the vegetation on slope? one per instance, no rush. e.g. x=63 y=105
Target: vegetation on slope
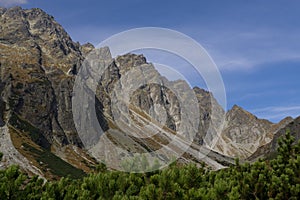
x=275 y=179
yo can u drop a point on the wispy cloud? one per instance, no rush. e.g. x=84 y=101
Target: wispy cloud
x=247 y=50
x=7 y=3
x=278 y=109
x=277 y=113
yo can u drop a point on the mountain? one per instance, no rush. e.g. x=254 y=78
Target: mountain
x=39 y=67
x=268 y=150
x=244 y=133
x=38 y=59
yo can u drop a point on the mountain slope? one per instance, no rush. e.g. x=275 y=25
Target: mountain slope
x=268 y=150
x=39 y=64
x=37 y=61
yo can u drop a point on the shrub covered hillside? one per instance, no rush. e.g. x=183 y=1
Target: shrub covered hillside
x=275 y=179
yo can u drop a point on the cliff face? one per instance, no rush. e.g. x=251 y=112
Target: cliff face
x=38 y=66
x=139 y=110
x=38 y=59
x=38 y=62
x=243 y=133
x=268 y=150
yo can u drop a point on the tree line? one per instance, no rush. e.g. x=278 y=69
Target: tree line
x=278 y=178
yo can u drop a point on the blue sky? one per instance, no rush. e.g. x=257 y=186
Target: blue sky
x=255 y=44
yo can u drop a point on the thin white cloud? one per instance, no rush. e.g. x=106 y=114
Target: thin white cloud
x=242 y=61
x=242 y=50
x=277 y=113
x=7 y=3
x=278 y=109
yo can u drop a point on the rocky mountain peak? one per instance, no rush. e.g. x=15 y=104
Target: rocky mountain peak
x=243 y=133
x=285 y=121
x=37 y=59
x=236 y=107
x=127 y=61
x=86 y=48
x=35 y=32
x=35 y=13
x=239 y=114
x=201 y=92
x=239 y=110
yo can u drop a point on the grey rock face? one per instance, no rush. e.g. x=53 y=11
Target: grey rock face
x=243 y=133
x=36 y=55
x=269 y=149
x=211 y=118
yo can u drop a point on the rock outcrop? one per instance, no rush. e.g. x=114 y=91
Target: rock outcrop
x=268 y=150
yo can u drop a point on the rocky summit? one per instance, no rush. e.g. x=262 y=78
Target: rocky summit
x=39 y=64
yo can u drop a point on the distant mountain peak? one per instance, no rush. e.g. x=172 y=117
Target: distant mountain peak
x=240 y=113
x=237 y=108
